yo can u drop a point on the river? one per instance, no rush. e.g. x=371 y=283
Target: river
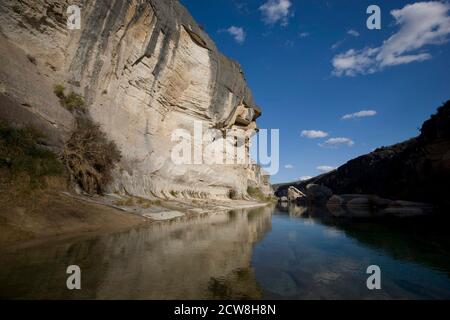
x=270 y=253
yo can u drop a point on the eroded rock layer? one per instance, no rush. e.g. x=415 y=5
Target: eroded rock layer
x=145 y=68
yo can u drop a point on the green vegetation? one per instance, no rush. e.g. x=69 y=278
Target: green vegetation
x=58 y=89
x=21 y=156
x=137 y=201
x=174 y=193
x=88 y=155
x=128 y=202
x=72 y=102
x=256 y=193
x=145 y=203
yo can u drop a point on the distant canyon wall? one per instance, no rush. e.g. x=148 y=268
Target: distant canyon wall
x=417 y=169
x=145 y=68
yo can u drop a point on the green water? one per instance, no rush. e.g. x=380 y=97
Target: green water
x=272 y=252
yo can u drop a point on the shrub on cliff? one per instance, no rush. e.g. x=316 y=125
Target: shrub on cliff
x=72 y=102
x=58 y=90
x=21 y=156
x=90 y=157
x=256 y=193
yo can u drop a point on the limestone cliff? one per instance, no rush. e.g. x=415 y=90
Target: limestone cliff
x=145 y=68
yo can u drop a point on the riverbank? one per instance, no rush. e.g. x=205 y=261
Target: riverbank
x=52 y=214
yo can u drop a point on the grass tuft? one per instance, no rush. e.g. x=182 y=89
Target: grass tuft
x=58 y=90
x=72 y=102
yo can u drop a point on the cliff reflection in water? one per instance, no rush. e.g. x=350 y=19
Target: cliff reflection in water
x=282 y=253
x=310 y=254
x=424 y=240
x=201 y=257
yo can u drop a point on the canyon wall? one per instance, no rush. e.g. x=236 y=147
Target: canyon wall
x=145 y=69
x=417 y=169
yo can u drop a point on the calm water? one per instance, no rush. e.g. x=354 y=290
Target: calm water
x=280 y=253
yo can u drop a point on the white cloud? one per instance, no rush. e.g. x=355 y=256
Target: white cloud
x=242 y=7
x=304 y=178
x=337 y=44
x=325 y=169
x=336 y=142
x=304 y=34
x=353 y=33
x=360 y=114
x=289 y=166
x=354 y=62
x=420 y=24
x=313 y=134
x=289 y=43
x=275 y=11
x=237 y=33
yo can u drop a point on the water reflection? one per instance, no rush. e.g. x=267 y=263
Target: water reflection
x=204 y=257
x=423 y=240
x=316 y=256
x=287 y=252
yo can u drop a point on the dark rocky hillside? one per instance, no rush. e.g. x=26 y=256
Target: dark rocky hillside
x=417 y=169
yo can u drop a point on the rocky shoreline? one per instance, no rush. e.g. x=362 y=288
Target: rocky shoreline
x=354 y=205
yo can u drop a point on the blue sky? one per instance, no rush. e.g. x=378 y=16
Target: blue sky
x=310 y=62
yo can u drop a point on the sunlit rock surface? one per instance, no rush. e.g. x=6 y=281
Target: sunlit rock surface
x=145 y=69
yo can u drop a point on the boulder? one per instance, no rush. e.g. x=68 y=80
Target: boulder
x=359 y=202
x=335 y=201
x=335 y=206
x=318 y=194
x=294 y=194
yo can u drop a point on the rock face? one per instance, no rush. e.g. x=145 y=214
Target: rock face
x=318 y=194
x=145 y=68
x=295 y=195
x=415 y=170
